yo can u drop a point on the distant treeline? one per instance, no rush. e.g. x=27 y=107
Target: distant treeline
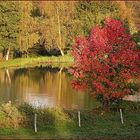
x=30 y=28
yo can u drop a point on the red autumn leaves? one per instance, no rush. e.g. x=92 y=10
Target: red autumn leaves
x=105 y=61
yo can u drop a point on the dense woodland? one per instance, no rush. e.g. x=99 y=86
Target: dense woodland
x=33 y=28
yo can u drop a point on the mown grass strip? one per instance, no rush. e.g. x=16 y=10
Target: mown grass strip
x=37 y=61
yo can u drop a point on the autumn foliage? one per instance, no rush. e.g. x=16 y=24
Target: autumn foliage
x=106 y=61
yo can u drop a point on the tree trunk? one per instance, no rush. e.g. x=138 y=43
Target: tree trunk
x=7 y=54
x=62 y=53
x=59 y=32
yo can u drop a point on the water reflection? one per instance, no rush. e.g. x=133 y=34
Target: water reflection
x=41 y=86
x=135 y=97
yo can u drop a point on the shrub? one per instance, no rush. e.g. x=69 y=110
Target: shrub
x=51 y=116
x=10 y=116
x=45 y=116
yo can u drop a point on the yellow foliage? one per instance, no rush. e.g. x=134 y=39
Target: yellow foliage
x=10 y=116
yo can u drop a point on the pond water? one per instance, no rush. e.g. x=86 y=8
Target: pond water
x=45 y=86
x=42 y=86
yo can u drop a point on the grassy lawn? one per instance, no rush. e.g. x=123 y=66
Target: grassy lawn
x=38 y=61
x=95 y=124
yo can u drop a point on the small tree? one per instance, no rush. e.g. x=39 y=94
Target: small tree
x=106 y=61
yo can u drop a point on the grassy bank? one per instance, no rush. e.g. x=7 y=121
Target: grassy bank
x=59 y=61
x=56 y=123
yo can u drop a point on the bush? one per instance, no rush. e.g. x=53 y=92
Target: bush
x=45 y=116
x=51 y=115
x=10 y=116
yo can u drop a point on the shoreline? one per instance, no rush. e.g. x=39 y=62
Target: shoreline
x=54 y=61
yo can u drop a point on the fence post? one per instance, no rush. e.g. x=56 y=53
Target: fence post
x=79 y=119
x=121 y=116
x=35 y=123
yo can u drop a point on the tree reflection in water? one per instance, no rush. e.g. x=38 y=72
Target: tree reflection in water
x=41 y=86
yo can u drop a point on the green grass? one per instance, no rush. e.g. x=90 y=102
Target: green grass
x=60 y=61
x=95 y=124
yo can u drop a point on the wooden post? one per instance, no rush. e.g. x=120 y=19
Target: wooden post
x=121 y=116
x=35 y=123
x=79 y=119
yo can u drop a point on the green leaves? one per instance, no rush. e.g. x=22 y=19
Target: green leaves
x=9 y=14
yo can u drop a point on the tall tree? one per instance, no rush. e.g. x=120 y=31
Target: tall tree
x=9 y=25
x=126 y=13
x=56 y=18
x=28 y=35
x=90 y=13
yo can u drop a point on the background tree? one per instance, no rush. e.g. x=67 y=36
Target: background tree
x=9 y=26
x=56 y=18
x=28 y=35
x=126 y=14
x=90 y=13
x=48 y=27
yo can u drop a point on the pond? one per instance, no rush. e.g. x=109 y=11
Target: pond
x=42 y=86
x=45 y=86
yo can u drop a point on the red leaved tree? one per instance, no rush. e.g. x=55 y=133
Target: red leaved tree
x=106 y=61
